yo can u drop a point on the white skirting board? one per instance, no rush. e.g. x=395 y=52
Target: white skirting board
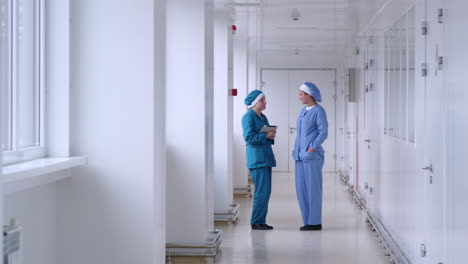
x=344 y=175
x=230 y=215
x=247 y=190
x=209 y=250
x=392 y=249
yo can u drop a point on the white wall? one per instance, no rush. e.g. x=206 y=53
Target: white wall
x=240 y=70
x=345 y=124
x=252 y=66
x=57 y=77
x=350 y=142
x=36 y=212
x=396 y=180
x=456 y=129
x=110 y=211
x=159 y=117
x=1 y=189
x=254 y=31
x=223 y=170
x=37 y=207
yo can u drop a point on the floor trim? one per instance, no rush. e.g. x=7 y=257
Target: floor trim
x=231 y=215
x=391 y=247
x=209 y=250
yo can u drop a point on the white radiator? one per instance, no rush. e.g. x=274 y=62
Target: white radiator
x=11 y=244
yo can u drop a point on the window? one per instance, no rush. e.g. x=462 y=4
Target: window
x=399 y=73
x=21 y=75
x=403 y=76
x=411 y=74
x=397 y=82
x=391 y=84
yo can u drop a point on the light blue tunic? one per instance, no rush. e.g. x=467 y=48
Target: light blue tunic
x=260 y=159
x=312 y=130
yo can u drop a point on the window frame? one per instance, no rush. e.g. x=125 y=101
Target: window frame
x=16 y=154
x=399 y=121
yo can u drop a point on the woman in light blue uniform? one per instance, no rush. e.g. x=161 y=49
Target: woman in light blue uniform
x=260 y=157
x=312 y=130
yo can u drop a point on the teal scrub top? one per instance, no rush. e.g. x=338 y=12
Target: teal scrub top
x=258 y=146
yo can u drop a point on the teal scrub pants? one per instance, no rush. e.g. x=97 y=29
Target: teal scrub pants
x=262 y=180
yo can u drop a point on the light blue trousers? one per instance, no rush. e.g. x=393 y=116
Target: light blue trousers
x=262 y=180
x=309 y=190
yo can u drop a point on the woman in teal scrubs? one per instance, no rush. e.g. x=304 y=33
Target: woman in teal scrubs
x=312 y=130
x=260 y=157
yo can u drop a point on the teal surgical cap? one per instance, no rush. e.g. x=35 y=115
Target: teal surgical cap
x=311 y=89
x=253 y=97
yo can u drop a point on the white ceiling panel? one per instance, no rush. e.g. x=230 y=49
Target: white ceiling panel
x=322 y=25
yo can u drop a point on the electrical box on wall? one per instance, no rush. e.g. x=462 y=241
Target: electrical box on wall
x=352 y=89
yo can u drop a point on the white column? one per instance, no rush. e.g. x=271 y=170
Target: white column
x=1 y=190
x=159 y=130
x=223 y=111
x=252 y=52
x=110 y=211
x=189 y=116
x=252 y=65
x=1 y=160
x=3 y=55
x=241 y=83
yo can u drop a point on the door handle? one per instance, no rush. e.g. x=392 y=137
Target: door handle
x=291 y=130
x=429 y=168
x=367 y=140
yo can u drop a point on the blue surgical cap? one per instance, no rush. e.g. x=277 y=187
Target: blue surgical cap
x=311 y=89
x=252 y=97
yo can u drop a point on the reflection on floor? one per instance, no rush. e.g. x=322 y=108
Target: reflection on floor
x=345 y=237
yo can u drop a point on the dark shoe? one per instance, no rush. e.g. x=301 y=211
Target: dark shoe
x=310 y=227
x=259 y=227
x=268 y=226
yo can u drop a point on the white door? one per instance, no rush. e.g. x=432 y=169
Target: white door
x=283 y=107
x=434 y=171
x=366 y=140
x=275 y=87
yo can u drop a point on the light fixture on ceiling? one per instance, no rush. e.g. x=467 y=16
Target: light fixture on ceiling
x=295 y=15
x=313 y=28
x=242 y=4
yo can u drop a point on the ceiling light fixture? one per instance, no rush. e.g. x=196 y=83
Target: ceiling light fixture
x=295 y=15
x=242 y=4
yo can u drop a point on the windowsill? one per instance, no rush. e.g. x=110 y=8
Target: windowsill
x=29 y=174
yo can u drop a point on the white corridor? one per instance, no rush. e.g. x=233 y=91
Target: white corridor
x=345 y=237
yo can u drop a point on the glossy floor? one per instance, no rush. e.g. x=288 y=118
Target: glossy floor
x=345 y=237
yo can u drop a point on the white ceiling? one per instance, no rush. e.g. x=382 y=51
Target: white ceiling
x=323 y=26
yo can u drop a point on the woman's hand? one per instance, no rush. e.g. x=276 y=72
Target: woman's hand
x=310 y=150
x=271 y=135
